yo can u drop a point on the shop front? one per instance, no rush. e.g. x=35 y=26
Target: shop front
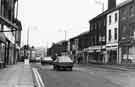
x=10 y=40
x=2 y=50
x=127 y=53
x=95 y=54
x=112 y=54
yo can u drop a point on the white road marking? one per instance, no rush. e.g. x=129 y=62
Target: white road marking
x=38 y=78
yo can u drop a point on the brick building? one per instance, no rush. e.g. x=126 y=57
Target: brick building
x=8 y=27
x=127 y=32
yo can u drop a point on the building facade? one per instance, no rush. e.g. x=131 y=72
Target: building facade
x=127 y=32
x=112 y=37
x=8 y=29
x=97 y=38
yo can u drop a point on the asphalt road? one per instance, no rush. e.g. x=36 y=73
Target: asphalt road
x=84 y=77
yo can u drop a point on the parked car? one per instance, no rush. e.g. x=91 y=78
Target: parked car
x=63 y=62
x=46 y=60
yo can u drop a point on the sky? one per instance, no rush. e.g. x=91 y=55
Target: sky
x=47 y=20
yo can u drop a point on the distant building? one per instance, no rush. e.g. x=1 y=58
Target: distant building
x=59 y=48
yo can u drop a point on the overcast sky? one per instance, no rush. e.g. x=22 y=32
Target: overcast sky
x=47 y=19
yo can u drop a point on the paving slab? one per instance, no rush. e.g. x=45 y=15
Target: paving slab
x=18 y=75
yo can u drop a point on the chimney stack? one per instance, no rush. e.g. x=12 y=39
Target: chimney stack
x=111 y=4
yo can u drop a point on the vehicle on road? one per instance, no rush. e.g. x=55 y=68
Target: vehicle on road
x=46 y=60
x=38 y=59
x=63 y=62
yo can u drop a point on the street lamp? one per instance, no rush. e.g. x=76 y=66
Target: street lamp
x=28 y=35
x=65 y=33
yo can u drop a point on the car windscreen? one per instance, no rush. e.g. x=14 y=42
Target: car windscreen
x=47 y=58
x=64 y=59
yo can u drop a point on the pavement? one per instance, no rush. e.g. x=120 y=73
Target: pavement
x=17 y=75
x=114 y=67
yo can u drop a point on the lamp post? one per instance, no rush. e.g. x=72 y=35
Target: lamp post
x=65 y=33
x=28 y=37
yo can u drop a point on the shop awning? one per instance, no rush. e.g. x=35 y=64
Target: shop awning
x=7 y=22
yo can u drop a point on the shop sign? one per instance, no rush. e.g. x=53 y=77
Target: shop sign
x=111 y=47
x=9 y=35
x=91 y=51
x=95 y=47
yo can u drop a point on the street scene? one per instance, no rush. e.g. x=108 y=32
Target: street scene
x=67 y=43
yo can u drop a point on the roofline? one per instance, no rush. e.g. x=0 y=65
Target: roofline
x=110 y=10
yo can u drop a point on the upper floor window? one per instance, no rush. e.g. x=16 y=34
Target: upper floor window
x=104 y=22
x=115 y=34
x=124 y=28
x=110 y=37
x=116 y=17
x=110 y=20
x=124 y=13
x=132 y=10
x=132 y=29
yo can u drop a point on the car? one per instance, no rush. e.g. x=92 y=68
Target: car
x=46 y=60
x=38 y=59
x=63 y=62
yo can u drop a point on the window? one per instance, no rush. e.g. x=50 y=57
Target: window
x=124 y=14
x=132 y=9
x=104 y=22
x=110 y=20
x=116 y=17
x=124 y=28
x=132 y=29
x=110 y=35
x=115 y=34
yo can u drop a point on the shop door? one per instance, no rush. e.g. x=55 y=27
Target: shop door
x=113 y=57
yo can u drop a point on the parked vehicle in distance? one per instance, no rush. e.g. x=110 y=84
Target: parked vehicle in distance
x=35 y=59
x=46 y=60
x=63 y=62
x=38 y=59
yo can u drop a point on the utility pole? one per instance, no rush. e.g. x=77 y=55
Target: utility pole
x=101 y=3
x=17 y=9
x=28 y=42
x=65 y=34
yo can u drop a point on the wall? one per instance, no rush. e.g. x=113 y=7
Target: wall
x=114 y=24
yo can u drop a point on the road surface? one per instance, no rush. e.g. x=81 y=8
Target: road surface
x=83 y=76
